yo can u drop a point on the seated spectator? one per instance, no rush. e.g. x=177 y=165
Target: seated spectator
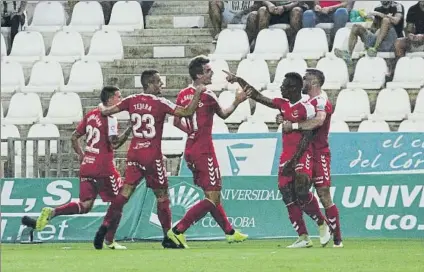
x=414 y=40
x=276 y=12
x=386 y=28
x=327 y=12
x=230 y=12
x=13 y=16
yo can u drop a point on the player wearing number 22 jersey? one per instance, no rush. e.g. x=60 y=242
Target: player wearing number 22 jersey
x=144 y=159
x=200 y=153
x=98 y=174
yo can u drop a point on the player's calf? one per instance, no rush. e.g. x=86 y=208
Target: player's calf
x=332 y=213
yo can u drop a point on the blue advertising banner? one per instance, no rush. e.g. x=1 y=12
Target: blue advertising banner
x=352 y=153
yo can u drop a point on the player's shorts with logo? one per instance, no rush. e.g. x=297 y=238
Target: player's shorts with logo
x=205 y=169
x=107 y=187
x=321 y=169
x=304 y=166
x=148 y=165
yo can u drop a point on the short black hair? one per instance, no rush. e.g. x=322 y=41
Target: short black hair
x=318 y=74
x=107 y=93
x=294 y=79
x=146 y=77
x=196 y=66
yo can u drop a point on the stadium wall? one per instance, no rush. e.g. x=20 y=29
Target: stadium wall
x=371 y=205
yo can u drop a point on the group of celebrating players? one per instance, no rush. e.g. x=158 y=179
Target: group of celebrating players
x=305 y=159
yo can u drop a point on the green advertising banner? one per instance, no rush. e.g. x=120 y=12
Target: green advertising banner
x=379 y=206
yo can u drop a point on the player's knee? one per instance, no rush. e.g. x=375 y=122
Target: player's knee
x=161 y=195
x=385 y=22
x=86 y=206
x=296 y=12
x=287 y=194
x=357 y=29
x=262 y=11
x=325 y=196
x=127 y=190
x=214 y=197
x=302 y=186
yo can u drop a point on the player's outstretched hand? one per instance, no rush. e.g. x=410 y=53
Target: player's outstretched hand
x=241 y=95
x=232 y=78
x=279 y=118
x=287 y=126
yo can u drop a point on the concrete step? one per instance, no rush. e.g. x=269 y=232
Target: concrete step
x=135 y=39
x=176 y=51
x=181 y=10
x=172 y=81
x=167 y=21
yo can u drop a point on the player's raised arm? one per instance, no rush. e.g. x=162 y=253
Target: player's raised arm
x=118 y=140
x=191 y=108
x=240 y=97
x=250 y=90
x=108 y=111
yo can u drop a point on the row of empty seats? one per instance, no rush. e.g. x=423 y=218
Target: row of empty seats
x=370 y=73
x=87 y=16
x=47 y=77
x=272 y=44
x=67 y=46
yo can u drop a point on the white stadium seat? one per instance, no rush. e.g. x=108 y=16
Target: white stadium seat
x=64 y=108
x=264 y=113
x=271 y=44
x=373 y=126
x=370 y=73
x=173 y=147
x=225 y=99
x=22 y=52
x=335 y=72
x=411 y=126
x=254 y=71
x=289 y=64
x=232 y=44
x=341 y=42
x=408 y=74
x=1 y=111
x=219 y=125
x=87 y=16
x=85 y=76
x=338 y=126
x=352 y=105
x=311 y=43
x=11 y=131
x=219 y=81
x=419 y=107
x=392 y=105
x=49 y=16
x=126 y=16
x=105 y=46
x=67 y=46
x=24 y=109
x=46 y=77
x=12 y=77
x=253 y=126
x=42 y=130
x=3 y=47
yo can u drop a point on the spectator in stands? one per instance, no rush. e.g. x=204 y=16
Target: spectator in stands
x=276 y=12
x=386 y=28
x=230 y=12
x=13 y=16
x=327 y=12
x=414 y=40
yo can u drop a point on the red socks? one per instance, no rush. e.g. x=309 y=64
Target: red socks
x=312 y=209
x=164 y=215
x=70 y=208
x=221 y=218
x=193 y=215
x=332 y=214
x=295 y=216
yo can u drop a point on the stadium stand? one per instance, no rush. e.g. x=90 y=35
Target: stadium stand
x=73 y=55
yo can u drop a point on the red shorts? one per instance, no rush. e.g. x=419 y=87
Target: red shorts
x=205 y=169
x=304 y=166
x=149 y=167
x=321 y=169
x=106 y=187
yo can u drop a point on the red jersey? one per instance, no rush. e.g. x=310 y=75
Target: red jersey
x=295 y=113
x=147 y=114
x=200 y=123
x=98 y=154
x=325 y=4
x=320 y=142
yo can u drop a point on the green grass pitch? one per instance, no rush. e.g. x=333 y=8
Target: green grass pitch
x=360 y=255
